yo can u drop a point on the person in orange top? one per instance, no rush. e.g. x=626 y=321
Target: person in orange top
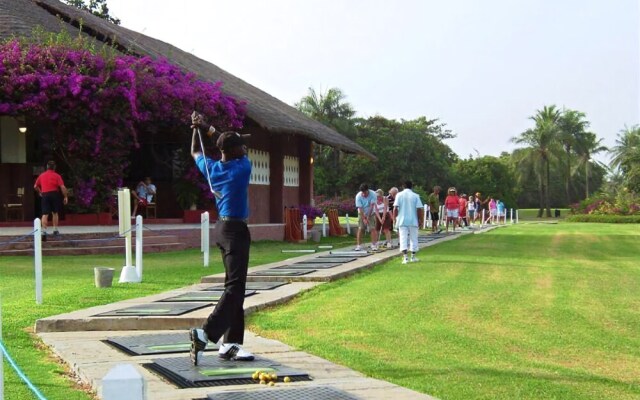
x=452 y=205
x=462 y=212
x=50 y=186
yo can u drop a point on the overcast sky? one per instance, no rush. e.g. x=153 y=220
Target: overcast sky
x=480 y=66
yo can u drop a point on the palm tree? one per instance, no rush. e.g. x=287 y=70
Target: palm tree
x=626 y=156
x=587 y=145
x=331 y=109
x=572 y=124
x=542 y=142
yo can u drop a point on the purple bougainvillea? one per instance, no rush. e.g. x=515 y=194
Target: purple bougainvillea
x=95 y=105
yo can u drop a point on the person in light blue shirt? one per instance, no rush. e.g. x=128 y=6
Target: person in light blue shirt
x=229 y=179
x=406 y=209
x=365 y=204
x=501 y=211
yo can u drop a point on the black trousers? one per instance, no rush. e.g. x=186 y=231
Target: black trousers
x=233 y=239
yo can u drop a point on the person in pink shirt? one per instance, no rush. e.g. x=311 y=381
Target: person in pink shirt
x=452 y=206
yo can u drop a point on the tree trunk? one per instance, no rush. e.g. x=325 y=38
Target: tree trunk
x=540 y=194
x=586 y=173
x=546 y=191
x=567 y=182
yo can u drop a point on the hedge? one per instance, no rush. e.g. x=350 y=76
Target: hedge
x=611 y=219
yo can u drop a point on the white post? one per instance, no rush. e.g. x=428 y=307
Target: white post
x=425 y=211
x=205 y=236
x=517 y=220
x=1 y=356
x=123 y=382
x=129 y=273
x=37 y=257
x=304 y=227
x=348 y=224
x=139 y=247
x=324 y=225
x=511 y=215
x=442 y=216
x=482 y=220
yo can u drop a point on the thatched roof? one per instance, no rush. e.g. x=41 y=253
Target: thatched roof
x=19 y=17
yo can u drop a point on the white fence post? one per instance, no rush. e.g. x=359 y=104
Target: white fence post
x=139 y=247
x=204 y=236
x=324 y=225
x=511 y=212
x=304 y=227
x=346 y=217
x=129 y=273
x=425 y=211
x=482 y=220
x=37 y=257
x=517 y=220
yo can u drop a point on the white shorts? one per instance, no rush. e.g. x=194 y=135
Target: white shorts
x=452 y=213
x=408 y=236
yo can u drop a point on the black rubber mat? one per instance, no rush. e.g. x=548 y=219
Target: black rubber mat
x=304 y=265
x=213 y=371
x=209 y=297
x=251 y=286
x=325 y=260
x=164 y=343
x=144 y=310
x=282 y=272
x=292 y=393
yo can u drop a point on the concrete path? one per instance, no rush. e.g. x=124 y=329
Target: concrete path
x=76 y=337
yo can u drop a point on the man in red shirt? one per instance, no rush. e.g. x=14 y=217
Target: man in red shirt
x=49 y=186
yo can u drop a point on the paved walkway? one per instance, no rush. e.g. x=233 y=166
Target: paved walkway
x=77 y=337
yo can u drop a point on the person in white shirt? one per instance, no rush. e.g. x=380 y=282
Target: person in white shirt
x=365 y=203
x=406 y=212
x=143 y=194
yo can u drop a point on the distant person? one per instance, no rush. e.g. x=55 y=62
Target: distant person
x=365 y=204
x=434 y=208
x=383 y=217
x=462 y=211
x=143 y=194
x=493 y=210
x=471 y=209
x=391 y=198
x=500 y=211
x=406 y=209
x=50 y=187
x=452 y=207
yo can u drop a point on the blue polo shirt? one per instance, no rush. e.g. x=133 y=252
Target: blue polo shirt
x=407 y=202
x=231 y=180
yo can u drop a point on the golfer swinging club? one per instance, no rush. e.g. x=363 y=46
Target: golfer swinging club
x=229 y=180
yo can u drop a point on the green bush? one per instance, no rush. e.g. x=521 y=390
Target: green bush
x=611 y=219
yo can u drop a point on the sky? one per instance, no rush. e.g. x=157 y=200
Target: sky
x=481 y=67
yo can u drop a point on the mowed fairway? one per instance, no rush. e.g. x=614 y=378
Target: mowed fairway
x=534 y=311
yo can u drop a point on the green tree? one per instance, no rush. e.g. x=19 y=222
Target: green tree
x=626 y=156
x=572 y=125
x=491 y=176
x=98 y=8
x=542 y=145
x=586 y=146
x=332 y=109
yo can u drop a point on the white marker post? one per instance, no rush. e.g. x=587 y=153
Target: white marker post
x=424 y=216
x=442 y=216
x=129 y=273
x=512 y=215
x=304 y=227
x=204 y=236
x=123 y=382
x=139 y=247
x=348 y=224
x=37 y=257
x=482 y=220
x=324 y=225
x=517 y=220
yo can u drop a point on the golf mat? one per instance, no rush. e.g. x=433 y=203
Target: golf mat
x=329 y=260
x=292 y=393
x=213 y=296
x=154 y=309
x=281 y=272
x=305 y=265
x=251 y=286
x=345 y=254
x=165 y=343
x=213 y=371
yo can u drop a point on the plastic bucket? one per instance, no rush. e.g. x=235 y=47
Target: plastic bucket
x=103 y=276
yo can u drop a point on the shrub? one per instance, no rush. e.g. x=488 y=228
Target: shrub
x=612 y=219
x=344 y=205
x=311 y=212
x=624 y=203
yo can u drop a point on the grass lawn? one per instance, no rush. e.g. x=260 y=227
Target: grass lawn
x=533 y=311
x=68 y=286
